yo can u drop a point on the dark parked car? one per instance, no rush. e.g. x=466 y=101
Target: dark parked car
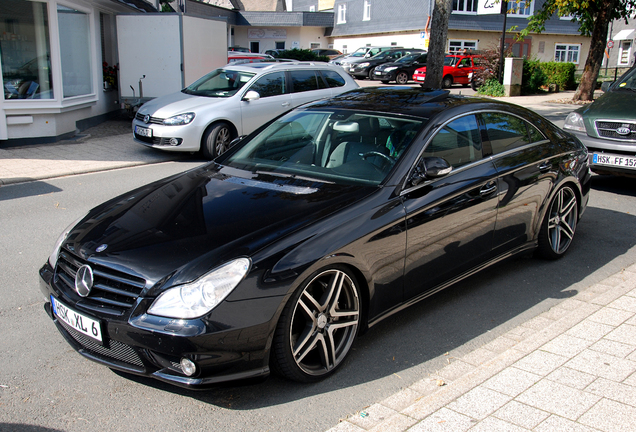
x=338 y=214
x=401 y=70
x=608 y=127
x=327 y=52
x=365 y=68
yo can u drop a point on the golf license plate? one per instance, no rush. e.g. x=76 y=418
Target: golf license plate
x=419 y=78
x=614 y=160
x=142 y=131
x=80 y=322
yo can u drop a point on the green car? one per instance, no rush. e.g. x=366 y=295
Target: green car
x=607 y=127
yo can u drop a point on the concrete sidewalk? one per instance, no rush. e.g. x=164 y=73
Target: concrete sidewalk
x=572 y=368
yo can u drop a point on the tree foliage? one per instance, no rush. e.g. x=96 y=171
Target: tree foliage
x=593 y=17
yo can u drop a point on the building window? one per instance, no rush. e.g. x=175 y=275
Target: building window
x=74 y=28
x=522 y=9
x=367 y=11
x=624 y=52
x=461 y=45
x=25 y=50
x=567 y=53
x=465 y=6
x=312 y=8
x=342 y=13
x=280 y=45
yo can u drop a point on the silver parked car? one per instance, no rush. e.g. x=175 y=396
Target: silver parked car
x=233 y=101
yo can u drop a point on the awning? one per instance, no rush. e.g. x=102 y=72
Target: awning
x=624 y=34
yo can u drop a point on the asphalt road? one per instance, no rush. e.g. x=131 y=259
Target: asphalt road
x=46 y=386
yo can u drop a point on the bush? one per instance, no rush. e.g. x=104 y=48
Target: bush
x=301 y=55
x=560 y=73
x=533 y=77
x=492 y=87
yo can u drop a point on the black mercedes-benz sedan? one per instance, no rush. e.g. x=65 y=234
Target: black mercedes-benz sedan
x=306 y=233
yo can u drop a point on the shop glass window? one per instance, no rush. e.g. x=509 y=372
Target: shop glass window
x=74 y=28
x=25 y=50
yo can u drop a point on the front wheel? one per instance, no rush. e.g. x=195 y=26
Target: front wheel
x=216 y=140
x=402 y=78
x=447 y=82
x=559 y=225
x=372 y=73
x=317 y=326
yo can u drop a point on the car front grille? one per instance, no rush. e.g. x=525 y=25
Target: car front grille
x=116 y=350
x=113 y=292
x=608 y=129
x=153 y=120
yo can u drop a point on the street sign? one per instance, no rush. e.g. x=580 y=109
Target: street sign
x=610 y=44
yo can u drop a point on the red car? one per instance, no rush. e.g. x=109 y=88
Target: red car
x=458 y=69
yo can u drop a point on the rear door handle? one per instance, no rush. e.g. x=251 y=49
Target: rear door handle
x=488 y=188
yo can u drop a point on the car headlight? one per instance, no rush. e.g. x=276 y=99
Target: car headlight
x=58 y=244
x=179 y=120
x=389 y=69
x=363 y=65
x=574 y=121
x=197 y=298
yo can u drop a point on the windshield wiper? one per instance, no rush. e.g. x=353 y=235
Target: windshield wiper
x=294 y=176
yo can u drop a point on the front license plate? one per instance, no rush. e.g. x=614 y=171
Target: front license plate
x=80 y=322
x=378 y=72
x=352 y=69
x=142 y=131
x=614 y=160
x=420 y=78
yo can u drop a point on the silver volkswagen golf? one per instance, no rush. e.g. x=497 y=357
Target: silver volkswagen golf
x=233 y=101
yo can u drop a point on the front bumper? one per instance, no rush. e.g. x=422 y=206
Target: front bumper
x=358 y=71
x=384 y=76
x=609 y=156
x=153 y=346
x=186 y=138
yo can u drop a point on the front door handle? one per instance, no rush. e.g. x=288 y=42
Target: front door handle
x=488 y=188
x=545 y=167
x=285 y=104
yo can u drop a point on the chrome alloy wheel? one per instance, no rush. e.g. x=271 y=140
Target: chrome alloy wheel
x=324 y=322
x=562 y=220
x=222 y=141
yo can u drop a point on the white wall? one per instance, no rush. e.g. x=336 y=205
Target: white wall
x=204 y=47
x=149 y=45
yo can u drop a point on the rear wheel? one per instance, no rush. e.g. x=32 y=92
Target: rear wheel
x=216 y=140
x=317 y=326
x=559 y=225
x=402 y=78
x=371 y=73
x=447 y=82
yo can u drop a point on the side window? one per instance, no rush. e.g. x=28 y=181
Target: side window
x=505 y=131
x=458 y=142
x=270 y=85
x=333 y=78
x=534 y=134
x=304 y=80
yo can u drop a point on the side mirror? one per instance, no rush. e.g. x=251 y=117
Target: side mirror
x=606 y=86
x=430 y=168
x=235 y=141
x=251 y=96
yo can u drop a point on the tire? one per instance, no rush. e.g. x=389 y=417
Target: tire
x=447 y=82
x=216 y=140
x=371 y=73
x=317 y=327
x=402 y=78
x=474 y=84
x=385 y=82
x=559 y=225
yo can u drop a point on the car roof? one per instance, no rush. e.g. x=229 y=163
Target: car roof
x=255 y=67
x=403 y=100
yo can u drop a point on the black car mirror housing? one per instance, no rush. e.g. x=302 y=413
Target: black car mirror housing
x=430 y=168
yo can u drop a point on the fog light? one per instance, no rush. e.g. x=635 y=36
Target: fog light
x=175 y=141
x=188 y=367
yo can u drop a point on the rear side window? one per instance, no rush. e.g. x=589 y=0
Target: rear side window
x=333 y=78
x=507 y=132
x=305 y=80
x=272 y=84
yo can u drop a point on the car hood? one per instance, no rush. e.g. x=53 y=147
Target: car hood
x=176 y=103
x=615 y=104
x=177 y=229
x=393 y=64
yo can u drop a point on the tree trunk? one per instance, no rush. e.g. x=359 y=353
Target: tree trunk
x=585 y=91
x=437 y=43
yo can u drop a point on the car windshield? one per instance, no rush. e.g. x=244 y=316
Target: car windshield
x=628 y=82
x=450 y=60
x=408 y=58
x=331 y=146
x=219 y=83
x=360 y=52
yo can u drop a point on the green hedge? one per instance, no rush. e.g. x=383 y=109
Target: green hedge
x=302 y=55
x=559 y=73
